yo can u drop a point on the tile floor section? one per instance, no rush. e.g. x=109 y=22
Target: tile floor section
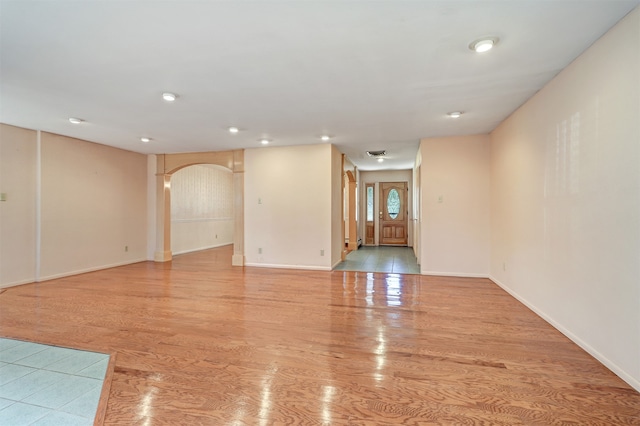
x=398 y=260
x=47 y=385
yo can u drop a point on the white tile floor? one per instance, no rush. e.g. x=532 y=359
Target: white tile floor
x=47 y=385
x=397 y=260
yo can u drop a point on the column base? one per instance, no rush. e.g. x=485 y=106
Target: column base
x=162 y=256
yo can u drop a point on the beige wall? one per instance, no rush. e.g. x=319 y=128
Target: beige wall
x=18 y=174
x=288 y=206
x=94 y=204
x=201 y=208
x=566 y=201
x=455 y=206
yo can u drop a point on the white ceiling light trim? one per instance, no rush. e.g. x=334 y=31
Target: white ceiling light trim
x=325 y=138
x=233 y=130
x=455 y=114
x=169 y=97
x=484 y=44
x=145 y=140
x=74 y=120
x=264 y=141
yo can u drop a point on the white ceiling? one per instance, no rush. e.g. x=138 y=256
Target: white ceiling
x=373 y=74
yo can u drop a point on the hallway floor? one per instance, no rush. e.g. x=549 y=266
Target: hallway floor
x=398 y=260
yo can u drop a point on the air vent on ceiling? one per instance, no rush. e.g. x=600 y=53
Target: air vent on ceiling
x=376 y=153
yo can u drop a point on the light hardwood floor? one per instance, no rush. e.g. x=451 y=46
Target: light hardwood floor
x=197 y=341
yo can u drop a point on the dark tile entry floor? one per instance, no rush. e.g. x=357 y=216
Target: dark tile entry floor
x=399 y=260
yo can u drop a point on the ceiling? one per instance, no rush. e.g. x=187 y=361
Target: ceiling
x=374 y=75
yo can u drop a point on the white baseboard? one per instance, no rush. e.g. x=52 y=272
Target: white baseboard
x=201 y=248
x=15 y=283
x=575 y=339
x=92 y=269
x=454 y=274
x=277 y=266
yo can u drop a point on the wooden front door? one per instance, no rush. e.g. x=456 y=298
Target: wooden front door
x=393 y=213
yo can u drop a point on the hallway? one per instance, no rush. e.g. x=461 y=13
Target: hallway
x=398 y=260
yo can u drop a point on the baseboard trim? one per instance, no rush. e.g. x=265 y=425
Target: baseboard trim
x=176 y=253
x=575 y=339
x=454 y=274
x=92 y=269
x=17 y=283
x=278 y=266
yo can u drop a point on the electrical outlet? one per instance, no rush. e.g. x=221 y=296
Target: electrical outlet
x=216 y=236
x=126 y=248
x=3 y=196
x=260 y=250
x=321 y=252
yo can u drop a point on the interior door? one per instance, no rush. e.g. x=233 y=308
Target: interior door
x=393 y=213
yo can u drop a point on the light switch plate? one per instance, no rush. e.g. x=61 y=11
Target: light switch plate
x=3 y=196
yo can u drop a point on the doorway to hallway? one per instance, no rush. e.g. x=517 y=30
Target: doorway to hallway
x=399 y=260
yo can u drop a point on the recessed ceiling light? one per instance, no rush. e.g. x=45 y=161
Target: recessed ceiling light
x=264 y=141
x=233 y=130
x=75 y=120
x=325 y=138
x=169 y=97
x=484 y=44
x=380 y=160
x=145 y=140
x=454 y=114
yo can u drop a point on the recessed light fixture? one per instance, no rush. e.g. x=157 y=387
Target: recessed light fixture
x=74 y=120
x=380 y=160
x=169 y=97
x=483 y=44
x=454 y=114
x=145 y=140
x=233 y=130
x=325 y=138
x=264 y=141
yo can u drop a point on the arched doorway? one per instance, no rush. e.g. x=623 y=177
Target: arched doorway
x=167 y=165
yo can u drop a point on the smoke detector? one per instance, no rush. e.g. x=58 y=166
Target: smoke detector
x=376 y=154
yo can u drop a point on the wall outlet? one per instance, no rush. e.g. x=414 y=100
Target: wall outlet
x=3 y=196
x=260 y=250
x=322 y=252
x=440 y=199
x=126 y=248
x=216 y=236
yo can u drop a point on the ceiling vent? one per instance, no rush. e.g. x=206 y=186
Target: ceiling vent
x=376 y=153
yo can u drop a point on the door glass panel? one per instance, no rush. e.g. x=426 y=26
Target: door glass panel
x=369 y=203
x=393 y=203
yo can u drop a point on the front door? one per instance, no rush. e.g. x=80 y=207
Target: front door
x=393 y=213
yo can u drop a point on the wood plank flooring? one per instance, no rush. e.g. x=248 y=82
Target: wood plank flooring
x=198 y=342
